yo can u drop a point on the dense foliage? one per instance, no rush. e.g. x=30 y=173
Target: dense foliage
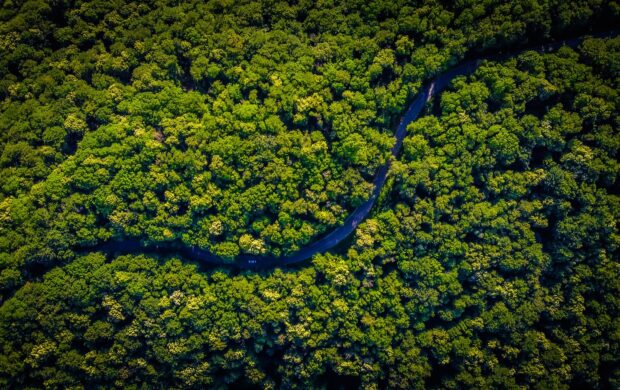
x=491 y=261
x=237 y=128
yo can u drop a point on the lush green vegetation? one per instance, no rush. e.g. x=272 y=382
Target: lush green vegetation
x=491 y=260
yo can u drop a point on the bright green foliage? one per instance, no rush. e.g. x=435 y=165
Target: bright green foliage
x=507 y=207
x=254 y=127
x=160 y=119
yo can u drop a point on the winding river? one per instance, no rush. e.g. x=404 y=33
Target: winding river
x=244 y=261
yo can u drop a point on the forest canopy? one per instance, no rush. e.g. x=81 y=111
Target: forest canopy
x=490 y=260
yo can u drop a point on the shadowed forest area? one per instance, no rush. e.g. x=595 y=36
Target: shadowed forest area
x=490 y=259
